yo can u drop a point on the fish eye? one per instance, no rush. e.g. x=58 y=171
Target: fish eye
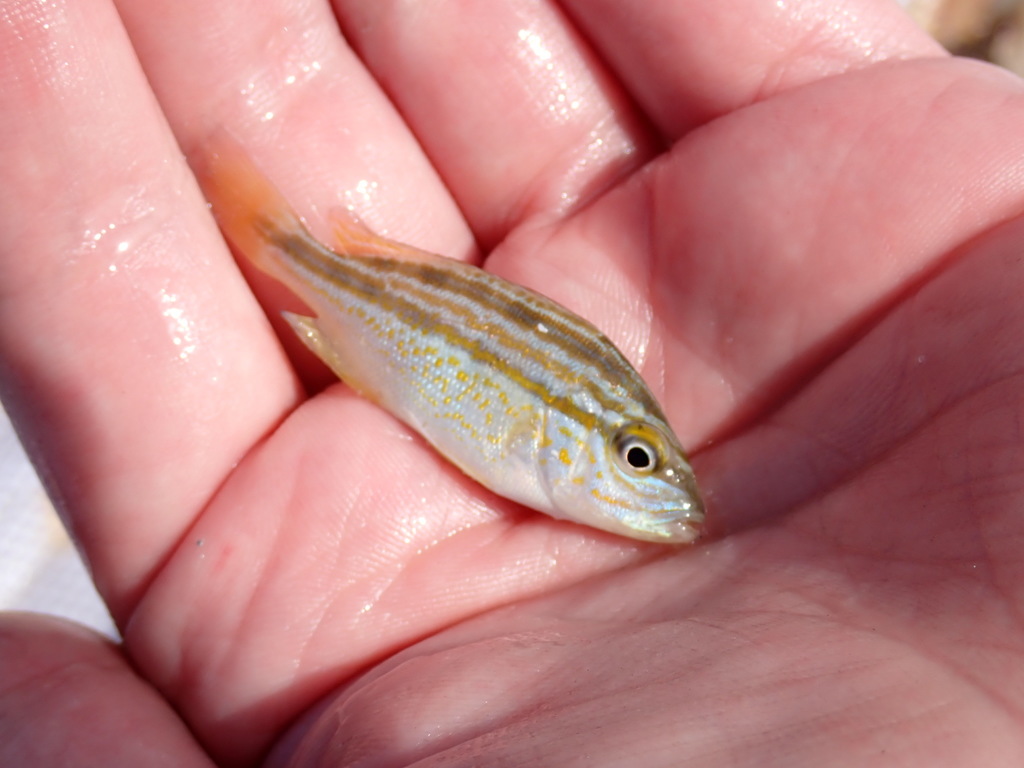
x=638 y=454
x=637 y=449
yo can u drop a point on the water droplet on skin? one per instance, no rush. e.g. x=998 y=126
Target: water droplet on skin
x=93 y=237
x=535 y=44
x=181 y=331
x=563 y=97
x=361 y=196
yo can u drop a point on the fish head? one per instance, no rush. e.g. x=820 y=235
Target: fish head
x=633 y=479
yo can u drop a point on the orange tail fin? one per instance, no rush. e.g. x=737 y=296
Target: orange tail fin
x=251 y=210
x=247 y=206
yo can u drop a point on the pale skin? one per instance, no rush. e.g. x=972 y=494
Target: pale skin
x=798 y=219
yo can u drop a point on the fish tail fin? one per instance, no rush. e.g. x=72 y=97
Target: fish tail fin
x=249 y=209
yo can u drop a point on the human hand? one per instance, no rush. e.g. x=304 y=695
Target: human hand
x=798 y=222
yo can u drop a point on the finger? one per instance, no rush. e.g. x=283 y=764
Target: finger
x=285 y=85
x=136 y=365
x=688 y=61
x=68 y=696
x=518 y=116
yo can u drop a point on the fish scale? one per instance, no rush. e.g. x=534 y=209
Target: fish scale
x=529 y=399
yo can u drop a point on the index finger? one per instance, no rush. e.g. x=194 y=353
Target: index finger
x=137 y=367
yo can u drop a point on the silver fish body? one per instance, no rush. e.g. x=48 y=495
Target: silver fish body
x=524 y=396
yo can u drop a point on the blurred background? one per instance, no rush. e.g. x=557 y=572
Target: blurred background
x=984 y=29
x=39 y=568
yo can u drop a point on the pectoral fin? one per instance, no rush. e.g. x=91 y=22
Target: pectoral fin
x=309 y=330
x=306 y=328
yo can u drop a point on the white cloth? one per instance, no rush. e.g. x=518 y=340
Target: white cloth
x=39 y=567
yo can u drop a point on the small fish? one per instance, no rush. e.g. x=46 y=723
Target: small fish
x=521 y=394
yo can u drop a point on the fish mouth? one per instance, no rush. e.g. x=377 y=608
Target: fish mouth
x=686 y=531
x=687 y=528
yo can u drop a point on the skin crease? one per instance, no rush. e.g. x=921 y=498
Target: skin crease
x=800 y=221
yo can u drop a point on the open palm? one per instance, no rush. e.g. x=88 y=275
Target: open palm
x=799 y=224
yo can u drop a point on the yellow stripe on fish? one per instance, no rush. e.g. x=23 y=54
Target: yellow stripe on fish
x=524 y=396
